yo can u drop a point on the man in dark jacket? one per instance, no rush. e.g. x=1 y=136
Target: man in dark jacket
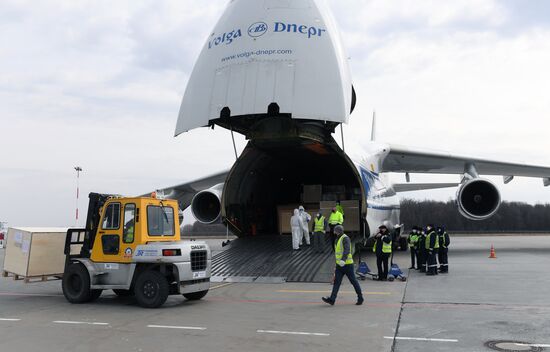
x=413 y=240
x=432 y=249
x=421 y=251
x=344 y=267
x=444 y=242
x=382 y=248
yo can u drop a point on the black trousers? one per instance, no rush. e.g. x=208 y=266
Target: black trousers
x=421 y=259
x=443 y=260
x=382 y=264
x=432 y=262
x=413 y=257
x=339 y=273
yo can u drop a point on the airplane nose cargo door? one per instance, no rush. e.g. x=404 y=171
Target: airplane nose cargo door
x=260 y=53
x=236 y=87
x=274 y=177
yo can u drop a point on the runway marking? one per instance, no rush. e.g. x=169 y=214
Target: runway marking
x=419 y=339
x=78 y=322
x=220 y=286
x=532 y=345
x=8 y=319
x=176 y=327
x=329 y=291
x=292 y=333
x=17 y=294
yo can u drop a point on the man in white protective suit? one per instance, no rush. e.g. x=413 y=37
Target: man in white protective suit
x=306 y=218
x=296 y=227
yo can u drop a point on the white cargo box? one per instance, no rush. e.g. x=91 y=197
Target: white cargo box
x=34 y=253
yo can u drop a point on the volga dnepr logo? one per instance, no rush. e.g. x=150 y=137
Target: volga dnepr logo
x=257 y=29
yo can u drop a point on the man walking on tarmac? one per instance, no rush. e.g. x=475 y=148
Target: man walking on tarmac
x=344 y=267
x=382 y=248
x=413 y=239
x=444 y=242
x=432 y=247
x=421 y=250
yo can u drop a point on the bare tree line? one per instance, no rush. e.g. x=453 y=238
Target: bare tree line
x=511 y=217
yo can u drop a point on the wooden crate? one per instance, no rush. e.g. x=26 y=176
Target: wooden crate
x=34 y=253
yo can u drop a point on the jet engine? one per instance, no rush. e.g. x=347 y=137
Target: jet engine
x=478 y=199
x=206 y=205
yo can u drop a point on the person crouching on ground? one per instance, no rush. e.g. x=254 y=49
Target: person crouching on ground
x=344 y=267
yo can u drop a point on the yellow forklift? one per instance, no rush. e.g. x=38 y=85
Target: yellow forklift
x=133 y=247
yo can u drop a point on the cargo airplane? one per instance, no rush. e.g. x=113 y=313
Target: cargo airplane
x=276 y=72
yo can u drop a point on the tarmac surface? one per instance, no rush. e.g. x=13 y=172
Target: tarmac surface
x=479 y=301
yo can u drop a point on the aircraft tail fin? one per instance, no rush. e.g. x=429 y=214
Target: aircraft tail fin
x=373 y=130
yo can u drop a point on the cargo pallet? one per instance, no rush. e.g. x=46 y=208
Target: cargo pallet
x=28 y=279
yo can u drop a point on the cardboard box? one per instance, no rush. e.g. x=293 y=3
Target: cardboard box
x=285 y=212
x=32 y=252
x=312 y=193
x=352 y=215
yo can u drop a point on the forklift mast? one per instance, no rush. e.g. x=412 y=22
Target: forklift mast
x=96 y=202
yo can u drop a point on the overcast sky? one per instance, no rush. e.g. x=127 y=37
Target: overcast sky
x=99 y=83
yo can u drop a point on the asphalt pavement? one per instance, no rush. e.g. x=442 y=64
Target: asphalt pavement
x=481 y=302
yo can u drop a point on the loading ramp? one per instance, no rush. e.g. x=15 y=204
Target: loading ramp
x=270 y=259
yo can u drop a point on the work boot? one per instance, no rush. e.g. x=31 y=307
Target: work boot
x=360 y=301
x=412 y=267
x=328 y=300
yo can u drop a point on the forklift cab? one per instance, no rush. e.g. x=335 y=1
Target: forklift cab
x=126 y=223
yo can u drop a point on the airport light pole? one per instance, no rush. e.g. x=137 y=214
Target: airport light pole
x=78 y=169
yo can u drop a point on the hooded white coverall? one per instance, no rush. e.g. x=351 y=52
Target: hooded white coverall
x=296 y=226
x=306 y=218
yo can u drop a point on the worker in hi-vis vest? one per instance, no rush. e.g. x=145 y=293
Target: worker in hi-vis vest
x=319 y=229
x=444 y=242
x=382 y=248
x=421 y=253
x=336 y=218
x=413 y=241
x=432 y=249
x=344 y=267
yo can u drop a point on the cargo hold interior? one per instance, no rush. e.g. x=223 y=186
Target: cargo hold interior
x=271 y=179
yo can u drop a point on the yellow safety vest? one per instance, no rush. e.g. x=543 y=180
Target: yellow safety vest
x=386 y=247
x=336 y=218
x=428 y=240
x=340 y=209
x=413 y=240
x=339 y=251
x=319 y=224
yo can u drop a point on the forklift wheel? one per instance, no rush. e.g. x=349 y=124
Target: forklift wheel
x=76 y=284
x=195 y=296
x=123 y=293
x=151 y=289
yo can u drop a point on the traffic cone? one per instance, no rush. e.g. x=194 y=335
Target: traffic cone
x=493 y=255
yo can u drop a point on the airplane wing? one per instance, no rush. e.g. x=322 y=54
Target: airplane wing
x=185 y=192
x=406 y=159
x=410 y=187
